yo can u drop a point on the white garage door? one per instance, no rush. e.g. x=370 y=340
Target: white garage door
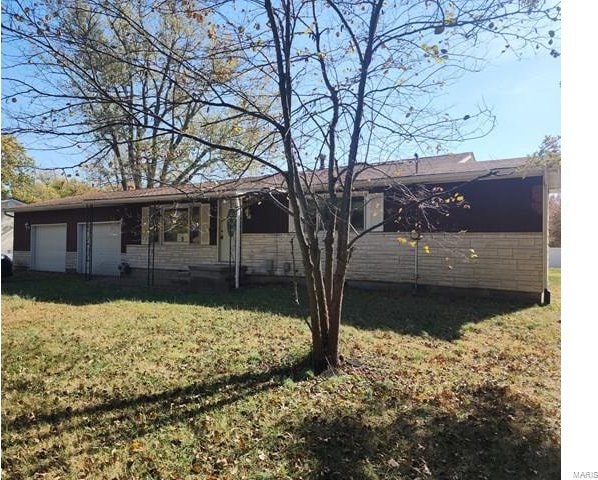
x=49 y=247
x=105 y=255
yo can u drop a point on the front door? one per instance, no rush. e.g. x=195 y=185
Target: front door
x=226 y=231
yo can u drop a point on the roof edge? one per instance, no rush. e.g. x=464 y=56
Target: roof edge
x=466 y=176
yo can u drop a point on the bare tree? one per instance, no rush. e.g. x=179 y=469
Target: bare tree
x=344 y=84
x=99 y=81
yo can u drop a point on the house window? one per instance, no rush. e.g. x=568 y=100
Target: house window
x=358 y=213
x=155 y=220
x=313 y=215
x=199 y=227
x=176 y=225
x=356 y=216
x=195 y=225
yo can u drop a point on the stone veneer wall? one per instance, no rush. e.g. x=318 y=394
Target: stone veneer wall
x=21 y=259
x=171 y=256
x=505 y=261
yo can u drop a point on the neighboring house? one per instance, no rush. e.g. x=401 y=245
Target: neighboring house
x=8 y=225
x=498 y=244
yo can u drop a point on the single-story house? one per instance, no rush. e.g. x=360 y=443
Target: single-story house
x=8 y=224
x=498 y=243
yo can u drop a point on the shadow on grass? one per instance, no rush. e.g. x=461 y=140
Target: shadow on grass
x=494 y=436
x=435 y=315
x=121 y=420
x=169 y=406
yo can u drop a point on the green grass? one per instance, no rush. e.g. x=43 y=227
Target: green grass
x=100 y=381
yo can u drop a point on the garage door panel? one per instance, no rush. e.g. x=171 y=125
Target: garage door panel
x=105 y=248
x=49 y=248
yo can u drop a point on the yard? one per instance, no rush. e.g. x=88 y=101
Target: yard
x=107 y=382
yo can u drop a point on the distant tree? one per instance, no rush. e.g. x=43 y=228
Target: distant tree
x=554 y=221
x=49 y=186
x=548 y=153
x=20 y=180
x=17 y=169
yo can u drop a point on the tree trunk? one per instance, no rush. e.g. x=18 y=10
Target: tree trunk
x=325 y=323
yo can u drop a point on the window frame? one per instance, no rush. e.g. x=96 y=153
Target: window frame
x=163 y=230
x=361 y=194
x=189 y=208
x=364 y=196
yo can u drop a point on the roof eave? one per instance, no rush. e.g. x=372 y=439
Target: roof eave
x=109 y=202
x=494 y=173
x=502 y=172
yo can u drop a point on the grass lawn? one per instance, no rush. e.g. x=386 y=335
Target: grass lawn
x=104 y=382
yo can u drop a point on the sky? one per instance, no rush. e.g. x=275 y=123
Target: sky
x=524 y=95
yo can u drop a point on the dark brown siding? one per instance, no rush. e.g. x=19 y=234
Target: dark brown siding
x=130 y=216
x=509 y=205
x=264 y=216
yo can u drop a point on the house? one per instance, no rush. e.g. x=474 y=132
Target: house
x=8 y=225
x=497 y=244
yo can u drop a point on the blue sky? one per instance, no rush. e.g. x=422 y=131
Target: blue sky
x=524 y=94
x=525 y=97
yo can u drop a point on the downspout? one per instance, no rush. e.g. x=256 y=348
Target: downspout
x=238 y=241
x=545 y=292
